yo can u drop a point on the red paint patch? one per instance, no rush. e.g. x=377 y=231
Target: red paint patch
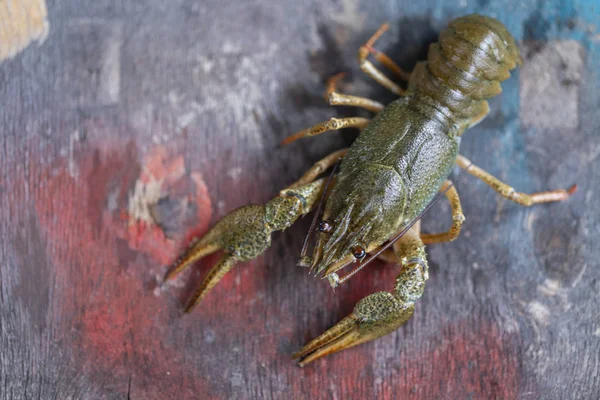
x=164 y=176
x=117 y=326
x=465 y=363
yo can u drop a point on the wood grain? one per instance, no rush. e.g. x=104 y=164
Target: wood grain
x=138 y=124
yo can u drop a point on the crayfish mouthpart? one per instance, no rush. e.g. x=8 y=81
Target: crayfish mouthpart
x=334 y=280
x=305 y=262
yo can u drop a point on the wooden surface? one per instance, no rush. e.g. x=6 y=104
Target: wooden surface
x=139 y=123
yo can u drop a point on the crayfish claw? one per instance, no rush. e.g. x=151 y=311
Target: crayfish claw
x=224 y=265
x=374 y=316
x=334 y=339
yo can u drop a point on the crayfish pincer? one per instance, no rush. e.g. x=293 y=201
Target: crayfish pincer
x=370 y=204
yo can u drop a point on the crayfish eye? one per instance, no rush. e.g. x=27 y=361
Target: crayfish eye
x=358 y=252
x=325 y=227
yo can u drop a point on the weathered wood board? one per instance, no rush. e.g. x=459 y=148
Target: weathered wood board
x=137 y=124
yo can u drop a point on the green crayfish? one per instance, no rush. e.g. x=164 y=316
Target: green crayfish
x=371 y=204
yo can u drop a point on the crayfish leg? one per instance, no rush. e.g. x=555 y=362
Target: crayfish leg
x=331 y=124
x=335 y=98
x=368 y=68
x=509 y=192
x=457 y=217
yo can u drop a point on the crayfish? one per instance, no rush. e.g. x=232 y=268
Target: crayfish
x=371 y=203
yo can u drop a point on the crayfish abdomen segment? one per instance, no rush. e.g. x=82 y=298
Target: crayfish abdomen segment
x=474 y=54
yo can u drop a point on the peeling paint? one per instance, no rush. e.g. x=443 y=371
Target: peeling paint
x=21 y=22
x=539 y=312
